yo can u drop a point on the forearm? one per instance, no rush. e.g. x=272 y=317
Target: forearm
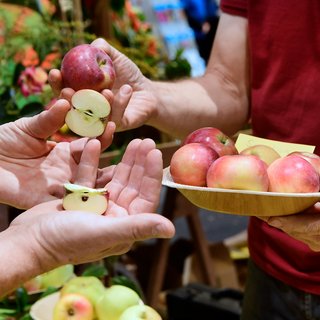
x=220 y=98
x=190 y=104
x=18 y=263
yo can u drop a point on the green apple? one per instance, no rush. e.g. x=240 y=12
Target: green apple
x=90 y=287
x=73 y=306
x=140 y=312
x=89 y=113
x=115 y=300
x=85 y=199
x=33 y=285
x=57 y=277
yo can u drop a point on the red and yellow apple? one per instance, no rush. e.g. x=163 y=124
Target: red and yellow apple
x=313 y=158
x=87 y=67
x=264 y=152
x=214 y=138
x=73 y=306
x=190 y=163
x=293 y=173
x=240 y=172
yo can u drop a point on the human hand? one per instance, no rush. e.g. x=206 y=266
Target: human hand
x=133 y=104
x=33 y=169
x=304 y=226
x=60 y=237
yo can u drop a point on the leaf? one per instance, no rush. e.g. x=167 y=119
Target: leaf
x=7 y=312
x=125 y=281
x=22 y=299
x=95 y=270
x=22 y=101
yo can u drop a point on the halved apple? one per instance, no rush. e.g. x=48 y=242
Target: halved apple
x=89 y=113
x=85 y=199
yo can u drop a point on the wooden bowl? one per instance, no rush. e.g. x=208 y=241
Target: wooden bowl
x=243 y=202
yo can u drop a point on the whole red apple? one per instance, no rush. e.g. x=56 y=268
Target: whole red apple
x=87 y=67
x=214 y=138
x=293 y=174
x=313 y=158
x=240 y=172
x=264 y=152
x=190 y=163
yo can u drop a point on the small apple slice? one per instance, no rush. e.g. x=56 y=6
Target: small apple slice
x=85 y=199
x=89 y=113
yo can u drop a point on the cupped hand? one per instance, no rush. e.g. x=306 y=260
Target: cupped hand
x=58 y=237
x=303 y=226
x=33 y=169
x=133 y=104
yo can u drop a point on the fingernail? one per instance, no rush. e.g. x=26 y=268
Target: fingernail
x=275 y=223
x=126 y=89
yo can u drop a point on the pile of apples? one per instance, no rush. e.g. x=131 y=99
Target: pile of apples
x=209 y=158
x=86 y=298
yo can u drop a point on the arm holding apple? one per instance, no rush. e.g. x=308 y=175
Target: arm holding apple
x=34 y=169
x=47 y=236
x=218 y=98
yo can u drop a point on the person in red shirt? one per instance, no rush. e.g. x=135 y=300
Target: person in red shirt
x=264 y=66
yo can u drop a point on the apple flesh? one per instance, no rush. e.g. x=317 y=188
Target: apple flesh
x=89 y=113
x=115 y=300
x=190 y=163
x=73 y=306
x=87 y=67
x=214 y=138
x=264 y=152
x=240 y=172
x=293 y=174
x=140 y=312
x=82 y=198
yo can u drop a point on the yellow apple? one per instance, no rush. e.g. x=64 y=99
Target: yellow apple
x=115 y=300
x=73 y=306
x=140 y=312
x=264 y=152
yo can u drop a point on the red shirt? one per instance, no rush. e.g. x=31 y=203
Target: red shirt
x=284 y=41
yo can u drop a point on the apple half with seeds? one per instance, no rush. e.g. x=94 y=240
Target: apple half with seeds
x=89 y=113
x=82 y=198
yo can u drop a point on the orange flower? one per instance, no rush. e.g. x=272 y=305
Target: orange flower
x=49 y=61
x=28 y=57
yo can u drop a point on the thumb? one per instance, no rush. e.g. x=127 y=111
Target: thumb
x=139 y=227
x=46 y=123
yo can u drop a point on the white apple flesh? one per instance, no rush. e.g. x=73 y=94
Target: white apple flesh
x=82 y=198
x=89 y=113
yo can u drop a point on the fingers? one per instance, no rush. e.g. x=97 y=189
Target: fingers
x=107 y=137
x=88 y=165
x=46 y=123
x=104 y=45
x=55 y=81
x=120 y=102
x=104 y=176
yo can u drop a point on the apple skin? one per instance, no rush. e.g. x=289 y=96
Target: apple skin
x=313 y=158
x=240 y=172
x=115 y=300
x=73 y=306
x=214 y=138
x=140 y=312
x=293 y=174
x=264 y=152
x=90 y=287
x=190 y=163
x=87 y=67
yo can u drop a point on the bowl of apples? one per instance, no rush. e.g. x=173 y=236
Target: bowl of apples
x=250 y=176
